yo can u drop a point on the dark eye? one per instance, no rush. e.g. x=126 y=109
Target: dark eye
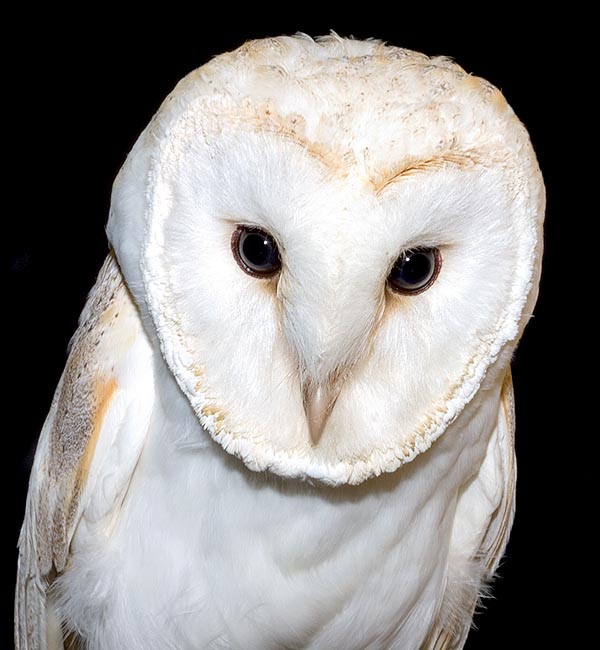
x=415 y=270
x=255 y=251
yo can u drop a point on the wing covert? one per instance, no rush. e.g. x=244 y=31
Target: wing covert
x=88 y=448
x=487 y=506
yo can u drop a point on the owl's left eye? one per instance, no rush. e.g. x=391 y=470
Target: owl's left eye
x=255 y=251
x=415 y=270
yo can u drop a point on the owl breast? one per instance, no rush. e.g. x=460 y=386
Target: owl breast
x=206 y=554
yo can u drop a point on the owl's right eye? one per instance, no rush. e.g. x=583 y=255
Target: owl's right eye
x=255 y=251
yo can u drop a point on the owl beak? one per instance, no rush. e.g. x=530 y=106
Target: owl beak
x=319 y=400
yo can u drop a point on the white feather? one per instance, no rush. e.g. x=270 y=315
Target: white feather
x=210 y=555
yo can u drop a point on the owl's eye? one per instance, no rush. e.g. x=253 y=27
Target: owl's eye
x=415 y=270
x=255 y=251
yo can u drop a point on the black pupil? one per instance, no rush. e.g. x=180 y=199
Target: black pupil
x=258 y=250
x=413 y=270
x=416 y=268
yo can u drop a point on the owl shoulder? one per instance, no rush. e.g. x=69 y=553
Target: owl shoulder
x=99 y=414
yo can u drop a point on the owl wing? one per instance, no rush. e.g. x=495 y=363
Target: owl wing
x=484 y=517
x=87 y=450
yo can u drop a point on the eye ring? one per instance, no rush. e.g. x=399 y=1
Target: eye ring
x=415 y=270
x=255 y=251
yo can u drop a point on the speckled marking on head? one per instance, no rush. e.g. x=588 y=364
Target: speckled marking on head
x=353 y=105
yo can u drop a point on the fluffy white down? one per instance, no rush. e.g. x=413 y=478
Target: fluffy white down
x=206 y=554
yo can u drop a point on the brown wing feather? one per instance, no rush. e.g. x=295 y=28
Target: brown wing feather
x=65 y=451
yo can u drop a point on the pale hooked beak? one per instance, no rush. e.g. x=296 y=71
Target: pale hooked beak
x=319 y=400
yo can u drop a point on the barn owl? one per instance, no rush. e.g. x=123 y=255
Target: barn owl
x=286 y=419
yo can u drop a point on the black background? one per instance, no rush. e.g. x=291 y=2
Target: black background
x=77 y=99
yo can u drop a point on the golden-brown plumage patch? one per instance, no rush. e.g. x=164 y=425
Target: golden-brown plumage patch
x=104 y=391
x=384 y=178
x=108 y=327
x=85 y=392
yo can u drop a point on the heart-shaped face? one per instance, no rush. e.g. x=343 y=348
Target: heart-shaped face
x=334 y=242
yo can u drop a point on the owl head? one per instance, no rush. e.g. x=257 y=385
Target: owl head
x=335 y=243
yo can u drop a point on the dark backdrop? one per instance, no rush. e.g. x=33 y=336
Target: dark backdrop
x=77 y=99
